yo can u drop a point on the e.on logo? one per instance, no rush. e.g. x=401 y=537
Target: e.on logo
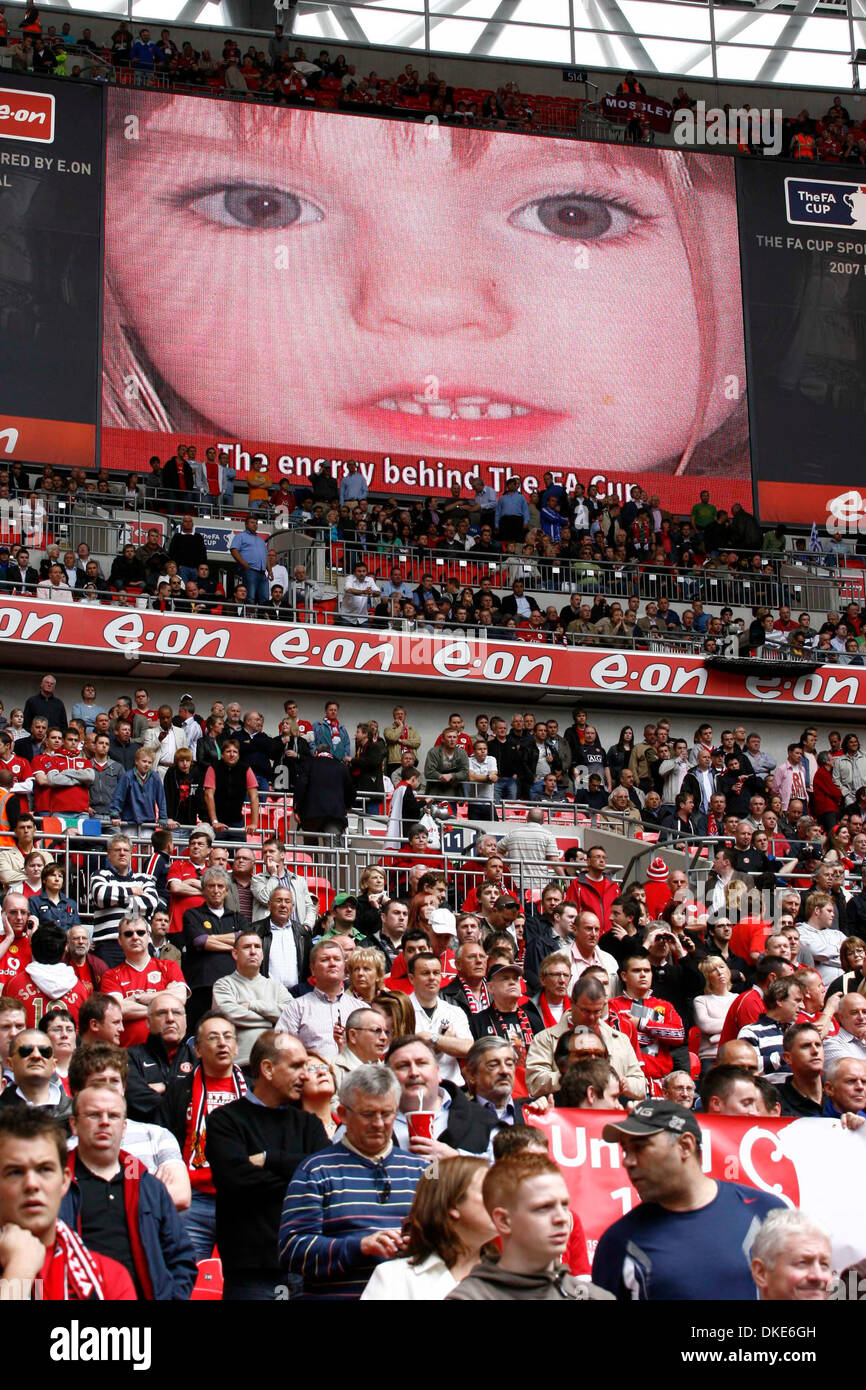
x=26 y=116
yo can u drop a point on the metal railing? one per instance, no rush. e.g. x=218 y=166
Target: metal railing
x=809 y=584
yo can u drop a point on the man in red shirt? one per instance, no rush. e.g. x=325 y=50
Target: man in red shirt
x=18 y=766
x=750 y=1006
x=86 y=964
x=659 y=1026
x=184 y=879
x=67 y=775
x=47 y=982
x=34 y=1244
x=14 y=943
x=40 y=766
x=784 y=622
x=138 y=979
x=305 y=728
x=591 y=890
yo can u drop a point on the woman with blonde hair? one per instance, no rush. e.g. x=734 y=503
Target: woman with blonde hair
x=445 y=1232
x=372 y=900
x=712 y=1006
x=365 y=971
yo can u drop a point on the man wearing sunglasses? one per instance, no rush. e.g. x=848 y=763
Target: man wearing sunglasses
x=135 y=982
x=31 y=1058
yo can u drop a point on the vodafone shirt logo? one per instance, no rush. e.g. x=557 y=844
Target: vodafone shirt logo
x=26 y=116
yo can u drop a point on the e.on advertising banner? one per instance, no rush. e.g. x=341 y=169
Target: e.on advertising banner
x=812 y=1164
x=290 y=646
x=436 y=303
x=287 y=646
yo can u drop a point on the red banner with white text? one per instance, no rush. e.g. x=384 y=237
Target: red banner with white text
x=406 y=474
x=243 y=643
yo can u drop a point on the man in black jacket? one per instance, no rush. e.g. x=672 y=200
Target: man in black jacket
x=46 y=703
x=324 y=795
x=506 y=753
x=253 y=1147
x=209 y=934
x=160 y=1062
x=489 y=1068
x=187 y=548
x=518 y=604
x=459 y=1125
x=540 y=934
x=279 y=918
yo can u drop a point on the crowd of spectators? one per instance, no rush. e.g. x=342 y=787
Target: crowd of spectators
x=241 y=1050
x=402 y=559
x=287 y=73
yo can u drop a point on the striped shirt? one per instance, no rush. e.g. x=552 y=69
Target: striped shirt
x=765 y=1035
x=111 y=898
x=333 y=1201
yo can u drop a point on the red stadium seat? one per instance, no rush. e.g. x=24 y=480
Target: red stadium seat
x=321 y=889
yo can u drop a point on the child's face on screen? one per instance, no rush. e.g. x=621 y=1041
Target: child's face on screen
x=364 y=285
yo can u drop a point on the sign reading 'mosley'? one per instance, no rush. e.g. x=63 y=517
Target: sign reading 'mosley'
x=417 y=656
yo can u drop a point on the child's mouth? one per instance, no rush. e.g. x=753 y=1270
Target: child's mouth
x=452 y=416
x=458 y=408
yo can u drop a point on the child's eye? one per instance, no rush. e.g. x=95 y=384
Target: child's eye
x=254 y=208
x=576 y=217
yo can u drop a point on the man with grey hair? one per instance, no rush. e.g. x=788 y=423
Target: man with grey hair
x=530 y=847
x=488 y=1069
x=850 y=1041
x=679 y=1087
x=366 y=1040
x=792 y=1259
x=209 y=934
x=345 y=1205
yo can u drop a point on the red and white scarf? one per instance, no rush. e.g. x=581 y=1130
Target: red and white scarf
x=500 y=1027
x=69 y=1271
x=193 y=1150
x=547 y=1013
x=476 y=1002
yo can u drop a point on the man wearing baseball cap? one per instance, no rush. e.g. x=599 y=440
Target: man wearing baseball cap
x=691 y=1236
x=507 y=1017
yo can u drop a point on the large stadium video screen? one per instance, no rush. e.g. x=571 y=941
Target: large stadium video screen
x=51 y=162
x=803 y=231
x=436 y=303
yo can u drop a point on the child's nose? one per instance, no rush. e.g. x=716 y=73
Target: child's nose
x=416 y=285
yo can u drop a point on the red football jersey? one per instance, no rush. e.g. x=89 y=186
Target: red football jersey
x=129 y=984
x=37 y=1005
x=19 y=767
x=14 y=961
x=42 y=795
x=658 y=1032
x=68 y=801
x=178 y=903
